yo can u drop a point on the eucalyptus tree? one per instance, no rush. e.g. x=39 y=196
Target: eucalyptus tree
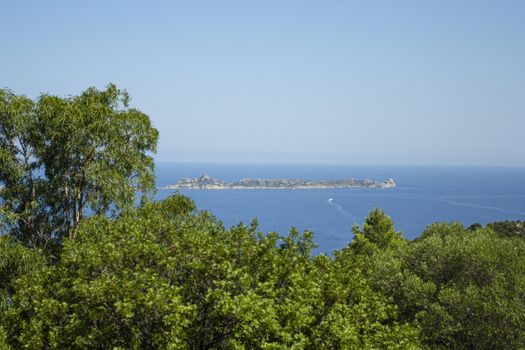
x=22 y=187
x=62 y=156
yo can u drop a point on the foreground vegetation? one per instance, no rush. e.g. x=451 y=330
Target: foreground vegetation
x=167 y=276
x=163 y=275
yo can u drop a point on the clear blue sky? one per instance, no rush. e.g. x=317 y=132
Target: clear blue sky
x=416 y=82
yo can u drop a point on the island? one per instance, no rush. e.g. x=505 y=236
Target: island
x=205 y=182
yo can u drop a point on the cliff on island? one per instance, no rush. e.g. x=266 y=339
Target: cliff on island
x=205 y=182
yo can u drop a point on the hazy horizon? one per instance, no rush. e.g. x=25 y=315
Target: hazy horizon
x=335 y=82
x=319 y=163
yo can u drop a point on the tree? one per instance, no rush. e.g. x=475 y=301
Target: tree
x=508 y=228
x=23 y=207
x=110 y=289
x=16 y=261
x=465 y=290
x=164 y=276
x=61 y=157
x=378 y=233
x=475 y=226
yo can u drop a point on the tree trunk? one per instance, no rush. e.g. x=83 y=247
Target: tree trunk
x=67 y=209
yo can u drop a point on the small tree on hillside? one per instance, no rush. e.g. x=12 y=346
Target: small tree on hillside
x=378 y=233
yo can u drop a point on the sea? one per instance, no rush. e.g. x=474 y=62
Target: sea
x=423 y=195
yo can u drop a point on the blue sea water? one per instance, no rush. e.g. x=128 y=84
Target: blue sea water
x=424 y=194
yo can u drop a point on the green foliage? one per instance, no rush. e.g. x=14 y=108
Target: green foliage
x=475 y=226
x=3 y=340
x=15 y=260
x=112 y=288
x=465 y=290
x=374 y=317
x=21 y=188
x=508 y=228
x=62 y=156
x=378 y=234
x=503 y=228
x=165 y=276
x=480 y=284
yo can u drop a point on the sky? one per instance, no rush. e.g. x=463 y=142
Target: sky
x=352 y=82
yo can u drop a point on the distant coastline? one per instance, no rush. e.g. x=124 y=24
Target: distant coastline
x=205 y=182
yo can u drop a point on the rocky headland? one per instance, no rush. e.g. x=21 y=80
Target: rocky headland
x=205 y=182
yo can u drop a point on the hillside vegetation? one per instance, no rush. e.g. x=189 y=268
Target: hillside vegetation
x=138 y=274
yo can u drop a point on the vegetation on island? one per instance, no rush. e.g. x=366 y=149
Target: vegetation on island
x=138 y=274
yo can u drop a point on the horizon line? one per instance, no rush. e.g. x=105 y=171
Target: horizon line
x=475 y=165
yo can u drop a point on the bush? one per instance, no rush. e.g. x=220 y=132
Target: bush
x=166 y=276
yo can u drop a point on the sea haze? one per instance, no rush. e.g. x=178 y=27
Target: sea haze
x=424 y=194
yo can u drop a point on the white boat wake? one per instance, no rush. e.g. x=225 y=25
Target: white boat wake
x=460 y=204
x=340 y=209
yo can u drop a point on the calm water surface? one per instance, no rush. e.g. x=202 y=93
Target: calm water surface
x=423 y=195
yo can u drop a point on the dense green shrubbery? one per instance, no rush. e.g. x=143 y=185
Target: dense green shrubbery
x=164 y=276
x=463 y=289
x=508 y=228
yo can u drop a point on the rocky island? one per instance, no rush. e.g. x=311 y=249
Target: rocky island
x=205 y=182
